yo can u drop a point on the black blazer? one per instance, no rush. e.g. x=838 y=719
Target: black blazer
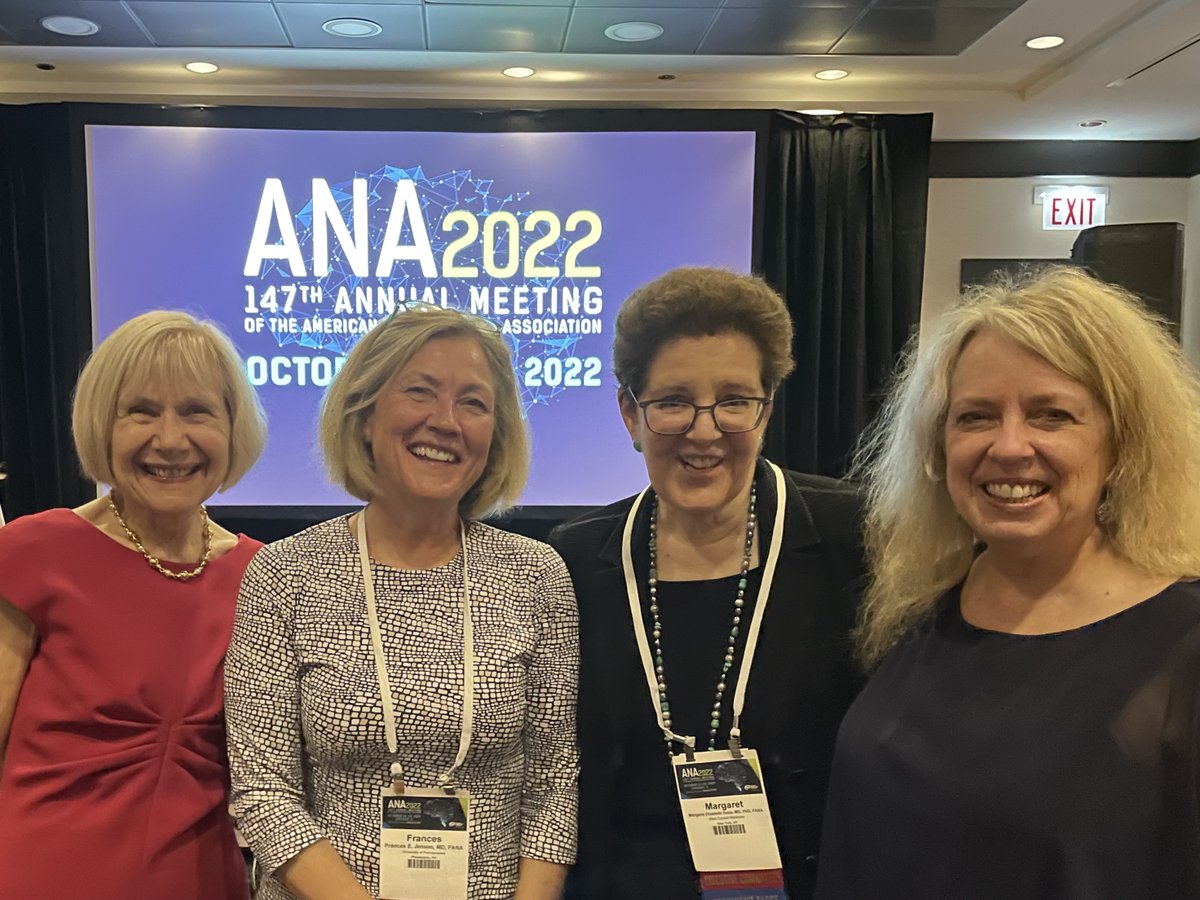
x=802 y=682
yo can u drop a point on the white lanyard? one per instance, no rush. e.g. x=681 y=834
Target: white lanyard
x=764 y=592
x=446 y=780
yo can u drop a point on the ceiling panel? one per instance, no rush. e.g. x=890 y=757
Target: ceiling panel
x=503 y=2
x=931 y=32
x=21 y=19
x=949 y=4
x=784 y=30
x=858 y=7
x=634 y=9
x=495 y=28
x=210 y=23
x=682 y=30
x=403 y=28
x=809 y=4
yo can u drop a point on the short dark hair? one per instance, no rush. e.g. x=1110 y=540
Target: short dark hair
x=697 y=302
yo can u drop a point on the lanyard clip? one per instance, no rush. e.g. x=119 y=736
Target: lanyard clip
x=735 y=742
x=689 y=748
x=448 y=782
x=397 y=774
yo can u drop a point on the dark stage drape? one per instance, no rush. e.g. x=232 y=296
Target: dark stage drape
x=844 y=242
x=45 y=320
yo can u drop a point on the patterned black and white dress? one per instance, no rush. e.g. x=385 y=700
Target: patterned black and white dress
x=306 y=739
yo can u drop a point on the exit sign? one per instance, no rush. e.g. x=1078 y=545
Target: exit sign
x=1071 y=209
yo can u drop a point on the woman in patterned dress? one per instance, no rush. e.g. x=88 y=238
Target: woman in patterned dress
x=423 y=422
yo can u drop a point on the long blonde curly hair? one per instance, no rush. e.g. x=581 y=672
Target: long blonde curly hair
x=1095 y=333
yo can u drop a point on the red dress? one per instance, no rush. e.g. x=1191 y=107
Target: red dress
x=115 y=784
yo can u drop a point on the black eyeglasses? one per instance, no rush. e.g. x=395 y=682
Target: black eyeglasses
x=733 y=416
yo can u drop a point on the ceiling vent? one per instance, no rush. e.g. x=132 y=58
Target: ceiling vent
x=1186 y=45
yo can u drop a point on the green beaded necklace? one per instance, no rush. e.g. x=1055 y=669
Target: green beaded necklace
x=734 y=628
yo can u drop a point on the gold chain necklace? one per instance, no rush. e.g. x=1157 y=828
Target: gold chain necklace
x=153 y=560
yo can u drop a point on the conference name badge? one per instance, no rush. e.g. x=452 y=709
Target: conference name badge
x=727 y=818
x=424 y=837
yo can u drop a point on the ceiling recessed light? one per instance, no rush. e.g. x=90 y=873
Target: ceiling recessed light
x=819 y=112
x=202 y=68
x=1045 y=42
x=518 y=71
x=631 y=32
x=352 y=28
x=831 y=74
x=71 y=26
x=1093 y=123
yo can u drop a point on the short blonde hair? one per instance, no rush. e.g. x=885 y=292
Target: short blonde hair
x=385 y=350
x=164 y=347
x=1096 y=334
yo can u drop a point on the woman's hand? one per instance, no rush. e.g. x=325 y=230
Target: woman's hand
x=540 y=880
x=318 y=873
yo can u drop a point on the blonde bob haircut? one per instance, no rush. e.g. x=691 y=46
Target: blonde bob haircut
x=383 y=352
x=1095 y=333
x=155 y=349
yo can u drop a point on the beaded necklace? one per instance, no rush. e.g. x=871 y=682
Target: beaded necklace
x=153 y=560
x=734 y=628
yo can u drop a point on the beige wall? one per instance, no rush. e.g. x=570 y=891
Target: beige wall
x=1190 y=326
x=996 y=217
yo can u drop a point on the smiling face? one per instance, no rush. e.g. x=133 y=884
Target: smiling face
x=1027 y=449
x=169 y=449
x=431 y=427
x=702 y=471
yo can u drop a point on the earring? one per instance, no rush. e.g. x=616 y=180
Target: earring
x=1104 y=510
x=637 y=445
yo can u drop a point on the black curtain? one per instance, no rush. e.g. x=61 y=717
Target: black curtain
x=45 y=318
x=844 y=243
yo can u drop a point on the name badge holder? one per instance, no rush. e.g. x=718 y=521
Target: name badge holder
x=721 y=793
x=424 y=833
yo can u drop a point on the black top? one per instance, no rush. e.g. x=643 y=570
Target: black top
x=630 y=829
x=979 y=764
x=695 y=617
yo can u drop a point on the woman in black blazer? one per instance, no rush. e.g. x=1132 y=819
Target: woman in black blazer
x=698 y=354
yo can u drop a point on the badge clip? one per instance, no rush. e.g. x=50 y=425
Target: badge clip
x=689 y=748
x=735 y=742
x=448 y=783
x=397 y=773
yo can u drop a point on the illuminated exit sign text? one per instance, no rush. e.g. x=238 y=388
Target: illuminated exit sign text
x=1072 y=209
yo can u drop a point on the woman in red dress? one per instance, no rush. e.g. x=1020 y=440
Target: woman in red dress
x=114 y=619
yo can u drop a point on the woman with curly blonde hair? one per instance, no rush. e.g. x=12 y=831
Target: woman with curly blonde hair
x=1033 y=725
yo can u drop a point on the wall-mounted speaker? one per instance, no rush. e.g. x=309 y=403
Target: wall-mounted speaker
x=983 y=272
x=1145 y=259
